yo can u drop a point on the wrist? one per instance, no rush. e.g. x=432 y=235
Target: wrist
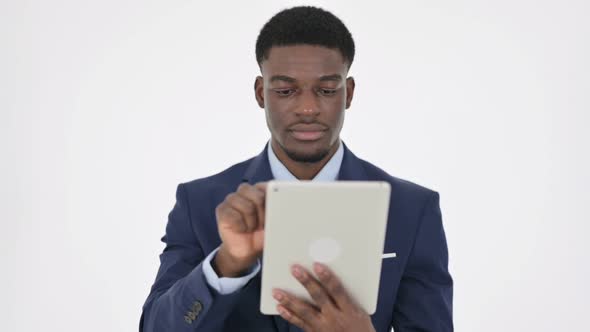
x=228 y=266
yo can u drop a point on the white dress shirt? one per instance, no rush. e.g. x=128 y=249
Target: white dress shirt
x=328 y=173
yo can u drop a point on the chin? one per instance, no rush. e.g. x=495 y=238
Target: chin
x=309 y=154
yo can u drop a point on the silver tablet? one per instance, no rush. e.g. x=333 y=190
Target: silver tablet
x=341 y=224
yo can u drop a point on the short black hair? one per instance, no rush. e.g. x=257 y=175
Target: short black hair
x=305 y=25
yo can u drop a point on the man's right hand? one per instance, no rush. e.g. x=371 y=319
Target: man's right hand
x=240 y=222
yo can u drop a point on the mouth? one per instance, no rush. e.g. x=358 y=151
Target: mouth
x=307 y=135
x=307 y=132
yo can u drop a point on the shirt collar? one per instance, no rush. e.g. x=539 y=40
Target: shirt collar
x=328 y=173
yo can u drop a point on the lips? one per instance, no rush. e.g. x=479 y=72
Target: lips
x=307 y=132
x=307 y=127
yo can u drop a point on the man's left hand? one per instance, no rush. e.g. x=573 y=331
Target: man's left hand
x=334 y=308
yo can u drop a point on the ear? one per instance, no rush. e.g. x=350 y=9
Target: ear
x=349 y=91
x=259 y=91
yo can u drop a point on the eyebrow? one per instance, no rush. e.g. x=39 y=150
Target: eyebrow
x=334 y=77
x=282 y=78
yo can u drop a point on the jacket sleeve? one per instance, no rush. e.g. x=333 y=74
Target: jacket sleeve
x=425 y=297
x=181 y=299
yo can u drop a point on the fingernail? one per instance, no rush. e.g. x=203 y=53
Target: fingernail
x=297 y=272
x=319 y=269
x=277 y=295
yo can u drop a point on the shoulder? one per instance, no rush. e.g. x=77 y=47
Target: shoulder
x=401 y=189
x=222 y=181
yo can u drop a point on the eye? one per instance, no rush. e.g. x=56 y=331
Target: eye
x=327 y=92
x=284 y=92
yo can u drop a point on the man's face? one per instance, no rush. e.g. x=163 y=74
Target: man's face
x=304 y=91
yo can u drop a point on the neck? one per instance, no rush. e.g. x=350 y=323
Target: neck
x=301 y=170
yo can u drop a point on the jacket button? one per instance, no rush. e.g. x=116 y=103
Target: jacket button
x=197 y=307
x=188 y=319
x=192 y=315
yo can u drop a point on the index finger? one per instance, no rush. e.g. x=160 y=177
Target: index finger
x=317 y=292
x=257 y=197
x=262 y=186
x=334 y=287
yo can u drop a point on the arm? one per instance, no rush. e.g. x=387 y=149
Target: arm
x=425 y=296
x=225 y=285
x=181 y=298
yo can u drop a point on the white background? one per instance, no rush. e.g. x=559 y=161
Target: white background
x=107 y=105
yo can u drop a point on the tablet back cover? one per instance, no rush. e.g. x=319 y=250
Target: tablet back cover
x=341 y=224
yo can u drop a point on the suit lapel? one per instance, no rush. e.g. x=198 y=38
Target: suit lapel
x=352 y=168
x=259 y=169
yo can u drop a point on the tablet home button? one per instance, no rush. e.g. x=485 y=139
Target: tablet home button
x=324 y=250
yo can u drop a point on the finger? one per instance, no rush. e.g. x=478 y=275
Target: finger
x=262 y=186
x=292 y=318
x=304 y=312
x=229 y=217
x=313 y=287
x=246 y=208
x=257 y=197
x=333 y=286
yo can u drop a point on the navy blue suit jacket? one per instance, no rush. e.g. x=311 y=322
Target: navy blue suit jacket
x=415 y=291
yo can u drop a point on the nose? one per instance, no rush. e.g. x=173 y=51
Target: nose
x=308 y=105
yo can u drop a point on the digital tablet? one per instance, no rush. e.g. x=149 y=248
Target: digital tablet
x=341 y=224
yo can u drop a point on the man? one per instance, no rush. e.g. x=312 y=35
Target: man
x=209 y=277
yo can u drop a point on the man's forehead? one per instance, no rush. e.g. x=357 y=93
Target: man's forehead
x=297 y=58
x=304 y=63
